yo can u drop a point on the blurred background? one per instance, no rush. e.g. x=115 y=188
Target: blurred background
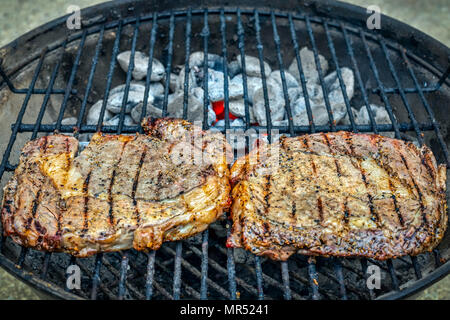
x=20 y=16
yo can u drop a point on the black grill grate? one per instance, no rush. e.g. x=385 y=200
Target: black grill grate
x=178 y=271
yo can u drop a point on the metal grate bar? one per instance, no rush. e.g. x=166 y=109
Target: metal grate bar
x=392 y=274
x=151 y=262
x=85 y=270
x=16 y=127
x=47 y=95
x=128 y=78
x=69 y=85
x=339 y=74
x=225 y=69
x=276 y=39
x=199 y=275
x=25 y=91
x=259 y=47
x=149 y=67
x=443 y=78
x=186 y=62
x=241 y=46
x=403 y=127
x=47 y=258
x=320 y=73
x=204 y=272
x=416 y=266
x=98 y=48
x=177 y=271
x=340 y=277
x=96 y=275
x=285 y=278
x=437 y=258
x=205 y=35
x=169 y=64
x=312 y=128
x=259 y=277
x=427 y=107
x=230 y=270
x=313 y=276
x=429 y=89
x=112 y=66
x=275 y=283
x=22 y=256
x=150 y=275
x=359 y=79
x=123 y=276
x=402 y=93
x=380 y=85
x=364 y=270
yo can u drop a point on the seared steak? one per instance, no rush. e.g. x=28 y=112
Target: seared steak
x=121 y=191
x=338 y=194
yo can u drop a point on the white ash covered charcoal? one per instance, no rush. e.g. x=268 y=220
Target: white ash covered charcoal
x=253 y=67
x=319 y=112
x=291 y=82
x=151 y=111
x=173 y=82
x=192 y=79
x=69 y=121
x=253 y=83
x=195 y=108
x=215 y=85
x=233 y=123
x=140 y=65
x=196 y=59
x=237 y=107
x=309 y=66
x=94 y=113
x=380 y=116
x=335 y=94
x=276 y=104
x=135 y=95
x=234 y=68
x=114 y=121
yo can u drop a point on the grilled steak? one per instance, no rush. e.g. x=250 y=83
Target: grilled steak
x=121 y=191
x=338 y=194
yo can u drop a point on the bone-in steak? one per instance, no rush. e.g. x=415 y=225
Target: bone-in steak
x=121 y=191
x=338 y=194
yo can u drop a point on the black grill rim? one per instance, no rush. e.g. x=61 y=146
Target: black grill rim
x=328 y=8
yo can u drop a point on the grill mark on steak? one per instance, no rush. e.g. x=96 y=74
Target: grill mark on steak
x=135 y=184
x=339 y=174
x=86 y=204
x=373 y=213
x=267 y=193
x=391 y=187
x=38 y=194
x=397 y=210
x=60 y=212
x=113 y=177
x=313 y=165
x=36 y=202
x=419 y=192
